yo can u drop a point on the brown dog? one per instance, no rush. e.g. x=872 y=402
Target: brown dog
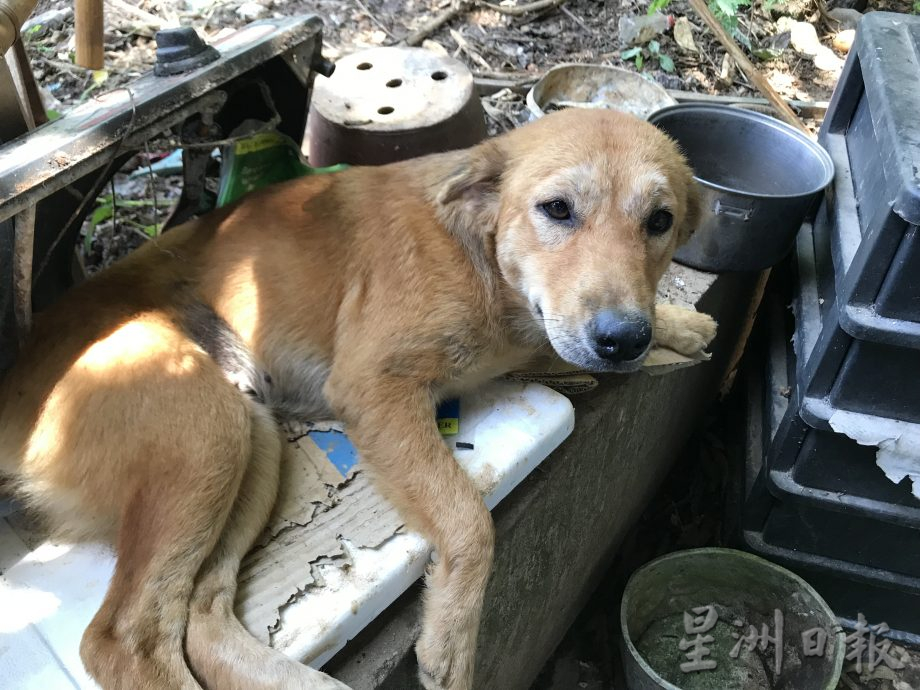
x=144 y=409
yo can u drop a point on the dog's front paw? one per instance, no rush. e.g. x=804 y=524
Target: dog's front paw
x=685 y=331
x=699 y=330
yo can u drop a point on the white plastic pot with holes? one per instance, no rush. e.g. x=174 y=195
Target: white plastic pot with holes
x=388 y=104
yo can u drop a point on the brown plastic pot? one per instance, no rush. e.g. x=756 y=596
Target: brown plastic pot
x=388 y=104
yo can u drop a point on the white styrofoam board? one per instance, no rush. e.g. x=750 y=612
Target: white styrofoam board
x=513 y=427
x=51 y=594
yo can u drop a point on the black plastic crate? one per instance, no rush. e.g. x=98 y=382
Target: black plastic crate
x=853 y=562
x=845 y=537
x=873 y=135
x=819 y=468
x=830 y=471
x=850 y=590
x=836 y=369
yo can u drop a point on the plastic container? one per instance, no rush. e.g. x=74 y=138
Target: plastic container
x=851 y=560
x=838 y=370
x=872 y=131
x=817 y=467
x=596 y=86
x=830 y=471
x=643 y=28
x=512 y=428
x=849 y=588
x=393 y=103
x=845 y=537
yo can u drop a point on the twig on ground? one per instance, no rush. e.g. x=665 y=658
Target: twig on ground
x=574 y=17
x=513 y=76
x=373 y=18
x=486 y=86
x=822 y=10
x=114 y=204
x=425 y=30
x=151 y=20
x=152 y=188
x=521 y=10
x=137 y=231
x=764 y=86
x=464 y=45
x=63 y=66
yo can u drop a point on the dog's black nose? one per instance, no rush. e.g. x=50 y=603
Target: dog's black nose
x=620 y=337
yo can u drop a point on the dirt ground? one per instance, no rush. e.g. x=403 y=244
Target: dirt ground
x=493 y=42
x=488 y=41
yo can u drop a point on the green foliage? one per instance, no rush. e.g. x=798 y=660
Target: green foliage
x=105 y=209
x=666 y=63
x=726 y=11
x=634 y=54
x=658 y=5
x=651 y=51
x=916 y=8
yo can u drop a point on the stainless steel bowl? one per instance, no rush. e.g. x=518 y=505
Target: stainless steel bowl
x=760 y=178
x=596 y=86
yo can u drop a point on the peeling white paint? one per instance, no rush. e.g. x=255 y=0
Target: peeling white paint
x=898 y=443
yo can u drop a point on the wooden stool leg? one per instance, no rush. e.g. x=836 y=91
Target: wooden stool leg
x=89 y=30
x=13 y=120
x=25 y=82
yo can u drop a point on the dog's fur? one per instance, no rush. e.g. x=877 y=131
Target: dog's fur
x=144 y=409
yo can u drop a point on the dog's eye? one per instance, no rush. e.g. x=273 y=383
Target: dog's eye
x=557 y=209
x=659 y=222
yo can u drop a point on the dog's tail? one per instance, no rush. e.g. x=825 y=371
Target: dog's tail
x=228 y=657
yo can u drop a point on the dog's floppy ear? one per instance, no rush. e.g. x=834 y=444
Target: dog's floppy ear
x=469 y=199
x=693 y=215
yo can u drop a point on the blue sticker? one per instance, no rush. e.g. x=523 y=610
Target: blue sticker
x=343 y=455
x=337 y=448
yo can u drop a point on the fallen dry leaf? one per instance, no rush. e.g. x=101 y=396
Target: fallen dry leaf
x=683 y=34
x=843 y=40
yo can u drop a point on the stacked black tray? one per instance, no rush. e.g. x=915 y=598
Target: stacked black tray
x=833 y=517
x=850 y=360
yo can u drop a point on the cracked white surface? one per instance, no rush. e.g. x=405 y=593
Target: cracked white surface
x=334 y=555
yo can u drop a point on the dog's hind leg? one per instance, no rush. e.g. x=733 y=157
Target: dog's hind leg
x=172 y=517
x=222 y=654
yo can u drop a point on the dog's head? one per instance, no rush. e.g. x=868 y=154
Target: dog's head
x=586 y=208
